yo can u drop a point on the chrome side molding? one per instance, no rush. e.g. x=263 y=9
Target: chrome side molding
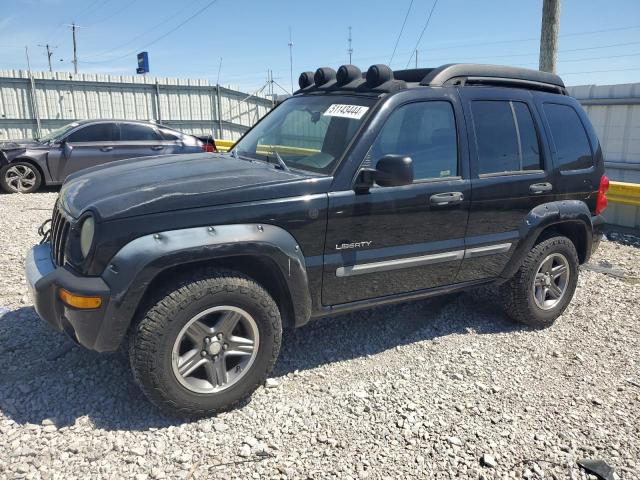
x=363 y=268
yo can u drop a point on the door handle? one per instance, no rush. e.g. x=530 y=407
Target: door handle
x=448 y=198
x=106 y=149
x=540 y=187
x=157 y=147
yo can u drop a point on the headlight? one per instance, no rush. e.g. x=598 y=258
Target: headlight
x=86 y=235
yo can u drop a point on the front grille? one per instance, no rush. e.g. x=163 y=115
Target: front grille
x=60 y=227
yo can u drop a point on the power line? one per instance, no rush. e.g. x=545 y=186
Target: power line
x=127 y=5
x=532 y=39
x=601 y=71
x=145 y=32
x=581 y=59
x=598 y=47
x=401 y=30
x=164 y=35
x=426 y=24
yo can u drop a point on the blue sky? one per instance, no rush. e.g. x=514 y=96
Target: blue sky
x=251 y=36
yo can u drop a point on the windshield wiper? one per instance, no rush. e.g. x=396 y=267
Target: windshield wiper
x=281 y=163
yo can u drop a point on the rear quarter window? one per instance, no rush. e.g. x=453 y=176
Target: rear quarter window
x=573 y=151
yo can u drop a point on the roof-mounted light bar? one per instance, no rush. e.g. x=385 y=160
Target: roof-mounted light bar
x=381 y=79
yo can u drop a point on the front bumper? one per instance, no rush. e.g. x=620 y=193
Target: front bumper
x=44 y=281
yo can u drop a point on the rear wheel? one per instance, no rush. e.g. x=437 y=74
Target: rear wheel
x=208 y=343
x=545 y=283
x=20 y=177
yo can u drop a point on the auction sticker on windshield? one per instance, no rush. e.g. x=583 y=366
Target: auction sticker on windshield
x=346 y=111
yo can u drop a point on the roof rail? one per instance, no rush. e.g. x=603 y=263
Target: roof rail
x=412 y=75
x=474 y=74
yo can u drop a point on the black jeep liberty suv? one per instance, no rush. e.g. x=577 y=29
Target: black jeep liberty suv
x=359 y=190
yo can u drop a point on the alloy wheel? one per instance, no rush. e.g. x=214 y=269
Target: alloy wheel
x=215 y=349
x=20 y=178
x=551 y=281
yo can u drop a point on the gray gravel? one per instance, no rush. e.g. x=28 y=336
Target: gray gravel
x=444 y=388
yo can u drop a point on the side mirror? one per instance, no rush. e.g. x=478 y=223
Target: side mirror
x=390 y=171
x=394 y=171
x=67 y=147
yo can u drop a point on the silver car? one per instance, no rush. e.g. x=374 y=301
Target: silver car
x=25 y=165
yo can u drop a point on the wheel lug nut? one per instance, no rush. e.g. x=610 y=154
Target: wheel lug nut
x=225 y=346
x=207 y=340
x=220 y=335
x=203 y=353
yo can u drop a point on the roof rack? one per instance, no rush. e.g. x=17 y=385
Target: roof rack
x=475 y=74
x=381 y=79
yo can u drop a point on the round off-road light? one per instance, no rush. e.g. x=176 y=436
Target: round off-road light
x=324 y=75
x=306 y=79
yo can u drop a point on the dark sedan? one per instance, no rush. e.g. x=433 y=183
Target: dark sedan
x=25 y=165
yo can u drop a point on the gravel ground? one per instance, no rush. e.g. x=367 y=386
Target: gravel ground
x=440 y=388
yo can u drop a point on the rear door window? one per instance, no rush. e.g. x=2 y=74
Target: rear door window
x=135 y=132
x=99 y=132
x=573 y=151
x=506 y=137
x=170 y=135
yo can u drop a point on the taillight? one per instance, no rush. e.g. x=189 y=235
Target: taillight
x=208 y=147
x=601 y=202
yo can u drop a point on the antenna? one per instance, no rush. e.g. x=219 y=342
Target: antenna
x=219 y=68
x=49 y=53
x=350 y=48
x=291 y=59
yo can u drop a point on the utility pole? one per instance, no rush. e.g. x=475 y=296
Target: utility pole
x=49 y=54
x=350 y=48
x=416 y=58
x=26 y=51
x=291 y=59
x=74 y=28
x=549 y=35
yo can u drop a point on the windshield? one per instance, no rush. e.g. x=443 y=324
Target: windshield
x=58 y=133
x=308 y=133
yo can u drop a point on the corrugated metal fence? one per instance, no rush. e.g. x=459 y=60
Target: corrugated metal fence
x=32 y=105
x=614 y=111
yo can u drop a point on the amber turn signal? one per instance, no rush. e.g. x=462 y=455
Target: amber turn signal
x=79 y=301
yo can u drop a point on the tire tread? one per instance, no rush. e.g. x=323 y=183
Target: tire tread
x=515 y=293
x=143 y=344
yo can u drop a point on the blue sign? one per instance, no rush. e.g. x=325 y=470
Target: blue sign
x=143 y=63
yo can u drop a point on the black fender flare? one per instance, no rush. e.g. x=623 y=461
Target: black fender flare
x=543 y=216
x=134 y=267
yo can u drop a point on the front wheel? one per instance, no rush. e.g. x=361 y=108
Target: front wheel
x=208 y=343
x=20 y=177
x=544 y=285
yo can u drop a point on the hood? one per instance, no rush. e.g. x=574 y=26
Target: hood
x=19 y=144
x=158 y=184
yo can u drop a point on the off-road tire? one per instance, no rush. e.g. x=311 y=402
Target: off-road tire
x=154 y=333
x=25 y=165
x=517 y=294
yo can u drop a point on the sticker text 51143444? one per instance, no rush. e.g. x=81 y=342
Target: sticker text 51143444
x=355 y=112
